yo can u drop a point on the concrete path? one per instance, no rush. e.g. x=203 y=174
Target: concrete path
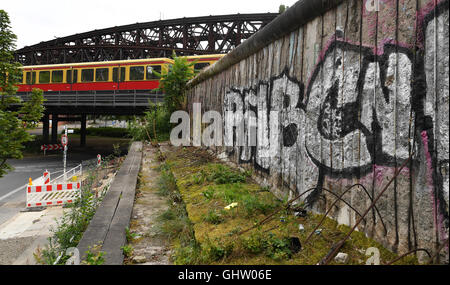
x=24 y=233
x=149 y=247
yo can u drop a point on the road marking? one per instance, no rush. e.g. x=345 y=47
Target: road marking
x=21 y=188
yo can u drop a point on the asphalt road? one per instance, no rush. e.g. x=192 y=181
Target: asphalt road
x=12 y=185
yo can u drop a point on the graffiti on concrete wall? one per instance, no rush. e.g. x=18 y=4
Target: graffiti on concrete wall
x=363 y=110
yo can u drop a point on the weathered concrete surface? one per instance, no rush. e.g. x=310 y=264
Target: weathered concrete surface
x=107 y=227
x=150 y=247
x=357 y=92
x=21 y=235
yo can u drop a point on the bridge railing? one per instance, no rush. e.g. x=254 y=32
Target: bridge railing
x=122 y=98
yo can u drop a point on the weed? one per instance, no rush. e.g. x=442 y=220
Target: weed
x=213 y=217
x=167 y=215
x=166 y=183
x=269 y=244
x=222 y=174
x=208 y=193
x=94 y=256
x=71 y=226
x=252 y=204
x=255 y=243
x=130 y=236
x=215 y=251
x=127 y=250
x=199 y=178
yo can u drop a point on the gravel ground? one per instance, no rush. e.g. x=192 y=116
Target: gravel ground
x=149 y=247
x=11 y=249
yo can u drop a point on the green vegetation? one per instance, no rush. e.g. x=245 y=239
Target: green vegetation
x=127 y=250
x=155 y=124
x=14 y=123
x=94 y=256
x=207 y=226
x=105 y=132
x=282 y=8
x=74 y=222
x=174 y=83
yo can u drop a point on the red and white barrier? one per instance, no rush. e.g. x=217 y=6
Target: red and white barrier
x=51 y=147
x=46 y=177
x=52 y=194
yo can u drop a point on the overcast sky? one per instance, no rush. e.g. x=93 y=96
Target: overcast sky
x=34 y=21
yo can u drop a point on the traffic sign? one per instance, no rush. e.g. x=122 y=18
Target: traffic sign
x=64 y=140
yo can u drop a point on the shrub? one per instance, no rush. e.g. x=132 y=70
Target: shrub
x=271 y=245
x=222 y=174
x=154 y=124
x=105 y=132
x=71 y=226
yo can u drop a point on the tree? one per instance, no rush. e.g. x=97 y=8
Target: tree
x=174 y=83
x=16 y=117
x=155 y=125
x=282 y=8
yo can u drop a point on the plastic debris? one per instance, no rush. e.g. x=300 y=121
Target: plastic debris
x=341 y=257
x=301 y=228
x=318 y=231
x=232 y=205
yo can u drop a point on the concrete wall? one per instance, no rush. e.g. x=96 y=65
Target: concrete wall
x=358 y=92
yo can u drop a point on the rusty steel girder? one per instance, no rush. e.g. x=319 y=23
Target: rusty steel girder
x=186 y=36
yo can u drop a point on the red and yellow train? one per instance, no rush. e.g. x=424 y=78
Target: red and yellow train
x=108 y=75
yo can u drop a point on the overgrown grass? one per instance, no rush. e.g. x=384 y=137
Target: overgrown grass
x=208 y=189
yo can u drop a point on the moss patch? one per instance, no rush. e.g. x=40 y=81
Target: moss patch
x=221 y=202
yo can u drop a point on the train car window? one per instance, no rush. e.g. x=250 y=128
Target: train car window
x=87 y=75
x=30 y=78
x=20 y=78
x=75 y=76
x=44 y=77
x=115 y=74
x=69 y=76
x=27 y=77
x=57 y=76
x=150 y=74
x=122 y=74
x=136 y=73
x=200 y=66
x=101 y=74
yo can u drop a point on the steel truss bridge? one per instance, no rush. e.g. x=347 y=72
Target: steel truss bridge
x=186 y=36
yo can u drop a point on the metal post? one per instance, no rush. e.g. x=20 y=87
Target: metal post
x=83 y=131
x=54 y=128
x=46 y=129
x=65 y=155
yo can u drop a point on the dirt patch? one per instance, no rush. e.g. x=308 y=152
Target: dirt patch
x=147 y=246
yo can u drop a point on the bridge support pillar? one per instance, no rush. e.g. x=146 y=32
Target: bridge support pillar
x=45 y=129
x=83 y=130
x=54 y=128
